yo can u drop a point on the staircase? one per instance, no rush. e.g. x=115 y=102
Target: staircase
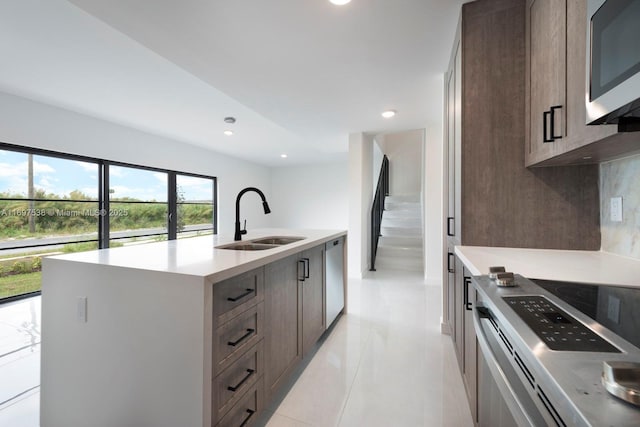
x=400 y=244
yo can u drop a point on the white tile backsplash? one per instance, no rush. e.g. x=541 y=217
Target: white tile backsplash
x=621 y=178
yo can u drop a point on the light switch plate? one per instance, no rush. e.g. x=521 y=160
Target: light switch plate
x=616 y=209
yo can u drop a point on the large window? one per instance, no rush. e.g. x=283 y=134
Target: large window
x=52 y=203
x=138 y=205
x=194 y=205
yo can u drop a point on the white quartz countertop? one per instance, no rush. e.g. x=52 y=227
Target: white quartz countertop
x=595 y=267
x=198 y=256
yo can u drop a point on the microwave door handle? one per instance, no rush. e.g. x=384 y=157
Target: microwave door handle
x=502 y=380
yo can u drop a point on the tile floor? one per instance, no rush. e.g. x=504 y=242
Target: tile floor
x=384 y=364
x=20 y=363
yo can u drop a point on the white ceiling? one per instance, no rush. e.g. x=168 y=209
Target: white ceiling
x=299 y=75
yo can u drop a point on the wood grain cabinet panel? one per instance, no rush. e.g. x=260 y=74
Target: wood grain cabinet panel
x=233 y=382
x=236 y=337
x=547 y=68
x=313 y=292
x=245 y=413
x=233 y=296
x=283 y=304
x=556 y=37
x=503 y=203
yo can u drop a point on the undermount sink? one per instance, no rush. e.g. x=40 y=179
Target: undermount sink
x=262 y=243
x=278 y=240
x=247 y=246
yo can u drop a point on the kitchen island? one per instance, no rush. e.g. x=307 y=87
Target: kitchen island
x=179 y=332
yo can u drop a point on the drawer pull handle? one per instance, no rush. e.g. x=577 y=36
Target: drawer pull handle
x=242 y=338
x=246 y=420
x=239 y=297
x=242 y=381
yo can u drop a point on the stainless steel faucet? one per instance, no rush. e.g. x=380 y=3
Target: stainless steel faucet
x=239 y=232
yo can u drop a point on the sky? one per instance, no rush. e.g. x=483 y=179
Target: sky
x=62 y=176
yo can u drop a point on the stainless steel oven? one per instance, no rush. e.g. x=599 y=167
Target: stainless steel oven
x=613 y=63
x=541 y=357
x=504 y=399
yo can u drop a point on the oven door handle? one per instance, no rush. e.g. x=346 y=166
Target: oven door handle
x=516 y=406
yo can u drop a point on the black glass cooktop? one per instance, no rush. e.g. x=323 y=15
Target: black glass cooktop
x=615 y=307
x=556 y=328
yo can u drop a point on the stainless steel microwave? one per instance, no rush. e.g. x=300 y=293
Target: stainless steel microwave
x=613 y=62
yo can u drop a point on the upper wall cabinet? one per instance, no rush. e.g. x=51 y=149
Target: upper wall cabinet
x=556 y=133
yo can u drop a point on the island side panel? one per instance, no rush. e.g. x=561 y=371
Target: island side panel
x=138 y=360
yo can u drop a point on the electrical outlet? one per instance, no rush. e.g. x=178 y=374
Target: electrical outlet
x=81 y=309
x=616 y=209
x=613 y=309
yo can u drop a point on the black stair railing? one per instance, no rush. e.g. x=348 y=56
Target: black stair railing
x=377 y=209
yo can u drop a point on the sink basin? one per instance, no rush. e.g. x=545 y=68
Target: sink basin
x=247 y=246
x=278 y=240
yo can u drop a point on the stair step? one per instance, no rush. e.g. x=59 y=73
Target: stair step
x=412 y=198
x=401 y=222
x=399 y=252
x=402 y=241
x=398 y=264
x=401 y=231
x=393 y=206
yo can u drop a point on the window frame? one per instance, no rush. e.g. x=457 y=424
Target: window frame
x=103 y=202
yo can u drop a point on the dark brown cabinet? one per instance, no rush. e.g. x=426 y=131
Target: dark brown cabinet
x=313 y=289
x=494 y=198
x=491 y=197
x=283 y=334
x=546 y=58
x=557 y=133
x=464 y=336
x=294 y=312
x=470 y=365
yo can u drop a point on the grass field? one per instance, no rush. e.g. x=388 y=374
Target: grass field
x=17 y=284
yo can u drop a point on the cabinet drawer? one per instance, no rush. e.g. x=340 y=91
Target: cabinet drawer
x=246 y=411
x=235 y=295
x=234 y=381
x=237 y=336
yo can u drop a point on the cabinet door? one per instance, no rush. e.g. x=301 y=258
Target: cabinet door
x=470 y=347
x=546 y=39
x=312 y=297
x=453 y=142
x=450 y=278
x=459 y=313
x=283 y=336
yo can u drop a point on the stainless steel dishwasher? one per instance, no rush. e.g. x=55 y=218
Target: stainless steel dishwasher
x=334 y=296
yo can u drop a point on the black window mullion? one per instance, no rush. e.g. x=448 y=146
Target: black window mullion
x=172 y=217
x=215 y=205
x=104 y=207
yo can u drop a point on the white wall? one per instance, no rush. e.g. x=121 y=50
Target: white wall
x=378 y=155
x=310 y=196
x=432 y=197
x=360 y=197
x=404 y=151
x=33 y=124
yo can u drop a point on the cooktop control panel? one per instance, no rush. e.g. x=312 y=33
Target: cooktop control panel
x=557 y=329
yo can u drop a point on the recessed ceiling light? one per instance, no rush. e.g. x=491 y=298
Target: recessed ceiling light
x=228 y=132
x=339 y=2
x=230 y=120
x=388 y=114
x=284 y=156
